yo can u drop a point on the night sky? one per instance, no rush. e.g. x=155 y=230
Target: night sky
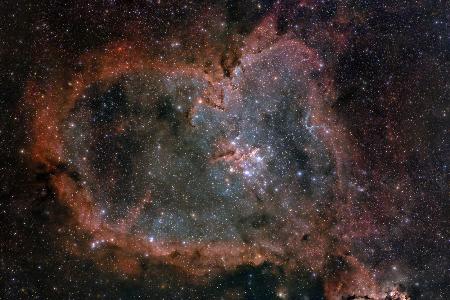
x=291 y=149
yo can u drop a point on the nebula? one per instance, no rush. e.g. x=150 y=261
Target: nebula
x=210 y=149
x=202 y=171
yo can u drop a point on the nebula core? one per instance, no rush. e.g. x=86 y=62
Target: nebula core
x=229 y=150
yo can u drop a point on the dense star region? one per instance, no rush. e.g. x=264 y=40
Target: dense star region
x=226 y=150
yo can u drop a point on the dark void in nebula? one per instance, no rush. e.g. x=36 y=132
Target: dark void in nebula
x=226 y=150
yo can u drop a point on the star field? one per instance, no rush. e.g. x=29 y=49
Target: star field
x=225 y=150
